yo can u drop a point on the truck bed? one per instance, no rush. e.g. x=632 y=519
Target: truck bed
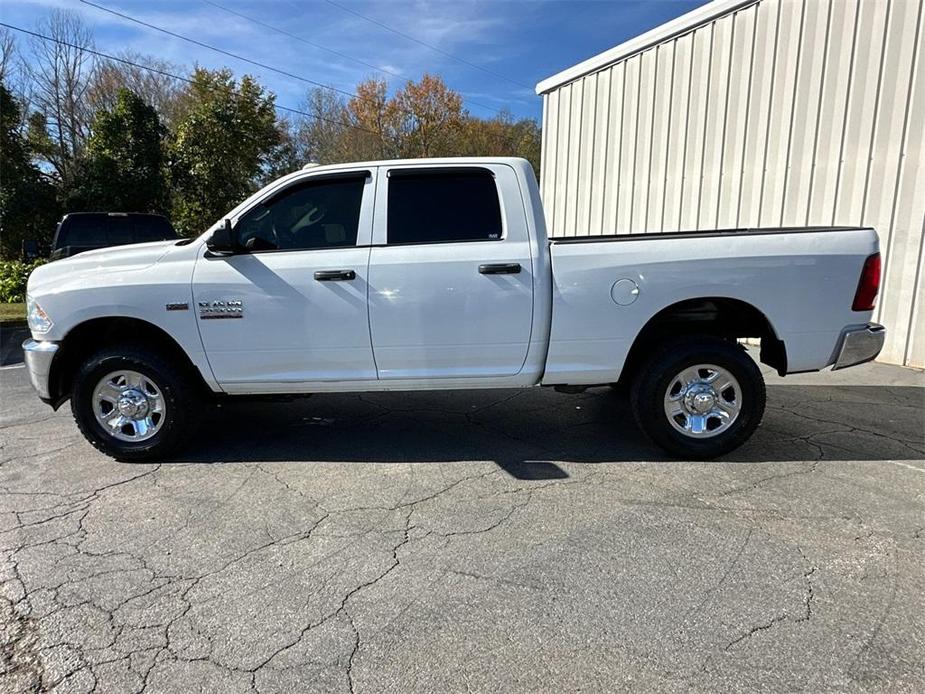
x=801 y=279
x=699 y=233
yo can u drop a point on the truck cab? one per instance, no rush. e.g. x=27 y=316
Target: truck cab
x=394 y=275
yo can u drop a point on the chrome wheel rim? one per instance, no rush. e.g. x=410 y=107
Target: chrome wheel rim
x=129 y=406
x=703 y=401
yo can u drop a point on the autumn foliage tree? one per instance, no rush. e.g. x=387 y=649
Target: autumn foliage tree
x=370 y=134
x=422 y=119
x=428 y=118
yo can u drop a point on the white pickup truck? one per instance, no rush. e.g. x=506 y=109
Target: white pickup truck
x=438 y=274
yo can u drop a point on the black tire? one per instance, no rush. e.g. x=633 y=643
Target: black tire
x=647 y=395
x=182 y=401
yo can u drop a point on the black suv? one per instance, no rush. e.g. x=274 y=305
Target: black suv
x=84 y=231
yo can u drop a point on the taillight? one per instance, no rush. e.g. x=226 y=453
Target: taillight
x=868 y=286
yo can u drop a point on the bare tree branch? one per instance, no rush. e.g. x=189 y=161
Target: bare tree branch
x=61 y=75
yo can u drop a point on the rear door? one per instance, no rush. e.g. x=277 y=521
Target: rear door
x=451 y=281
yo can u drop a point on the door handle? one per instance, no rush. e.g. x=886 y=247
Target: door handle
x=499 y=269
x=335 y=275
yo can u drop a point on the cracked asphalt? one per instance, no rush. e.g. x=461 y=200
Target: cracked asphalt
x=513 y=541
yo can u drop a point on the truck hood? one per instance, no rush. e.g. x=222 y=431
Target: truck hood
x=104 y=260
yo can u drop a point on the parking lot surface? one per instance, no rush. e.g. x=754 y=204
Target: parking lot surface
x=494 y=541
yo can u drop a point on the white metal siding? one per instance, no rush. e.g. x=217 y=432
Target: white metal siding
x=779 y=113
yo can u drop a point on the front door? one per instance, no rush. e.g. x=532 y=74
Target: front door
x=290 y=307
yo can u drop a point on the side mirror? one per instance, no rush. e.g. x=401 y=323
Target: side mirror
x=222 y=241
x=30 y=249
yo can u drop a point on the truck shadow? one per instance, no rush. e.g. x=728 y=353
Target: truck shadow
x=531 y=433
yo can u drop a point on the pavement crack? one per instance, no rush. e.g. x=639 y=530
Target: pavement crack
x=754 y=630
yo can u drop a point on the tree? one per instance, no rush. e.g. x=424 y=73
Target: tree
x=285 y=157
x=7 y=50
x=427 y=118
x=372 y=135
x=28 y=209
x=502 y=136
x=324 y=137
x=221 y=147
x=155 y=85
x=123 y=168
x=60 y=75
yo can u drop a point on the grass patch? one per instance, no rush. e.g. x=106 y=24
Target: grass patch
x=12 y=313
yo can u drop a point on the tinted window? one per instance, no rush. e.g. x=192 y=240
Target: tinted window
x=314 y=214
x=152 y=229
x=443 y=206
x=84 y=230
x=121 y=231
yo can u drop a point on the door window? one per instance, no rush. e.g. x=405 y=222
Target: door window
x=322 y=213
x=443 y=206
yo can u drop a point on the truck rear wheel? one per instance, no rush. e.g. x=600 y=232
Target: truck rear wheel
x=132 y=404
x=699 y=397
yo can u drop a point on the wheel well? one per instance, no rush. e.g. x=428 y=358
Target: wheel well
x=716 y=316
x=93 y=335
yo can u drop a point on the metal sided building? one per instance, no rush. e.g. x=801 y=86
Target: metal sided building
x=755 y=113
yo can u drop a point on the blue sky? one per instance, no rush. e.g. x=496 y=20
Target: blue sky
x=517 y=42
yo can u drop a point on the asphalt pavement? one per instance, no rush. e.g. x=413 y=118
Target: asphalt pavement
x=492 y=541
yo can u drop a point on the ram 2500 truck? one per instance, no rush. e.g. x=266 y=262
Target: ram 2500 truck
x=438 y=274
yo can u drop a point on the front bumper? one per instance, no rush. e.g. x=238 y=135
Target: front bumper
x=38 y=357
x=859 y=345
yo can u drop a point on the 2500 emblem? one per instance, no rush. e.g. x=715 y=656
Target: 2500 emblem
x=234 y=308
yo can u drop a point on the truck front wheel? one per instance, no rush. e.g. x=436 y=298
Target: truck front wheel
x=132 y=404
x=699 y=397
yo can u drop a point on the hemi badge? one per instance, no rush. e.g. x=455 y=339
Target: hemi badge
x=178 y=307
x=231 y=308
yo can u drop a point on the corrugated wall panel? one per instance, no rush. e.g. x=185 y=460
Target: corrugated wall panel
x=758 y=119
x=892 y=164
x=576 y=130
x=560 y=179
x=610 y=190
x=696 y=127
x=599 y=172
x=659 y=136
x=628 y=140
x=809 y=82
x=587 y=141
x=714 y=133
x=782 y=112
x=863 y=93
x=840 y=52
x=648 y=86
x=548 y=157
x=910 y=212
x=676 y=141
x=738 y=106
x=781 y=119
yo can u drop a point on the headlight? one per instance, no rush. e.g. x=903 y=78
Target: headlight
x=39 y=322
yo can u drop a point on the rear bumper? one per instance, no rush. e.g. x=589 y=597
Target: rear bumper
x=38 y=356
x=859 y=345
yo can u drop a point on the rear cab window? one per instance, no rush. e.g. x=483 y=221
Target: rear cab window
x=152 y=228
x=83 y=230
x=443 y=206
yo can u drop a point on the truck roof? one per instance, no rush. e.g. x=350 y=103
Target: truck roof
x=426 y=161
